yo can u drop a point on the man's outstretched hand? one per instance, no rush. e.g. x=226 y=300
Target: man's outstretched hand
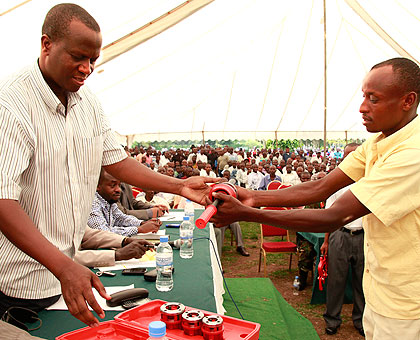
x=229 y=210
x=196 y=189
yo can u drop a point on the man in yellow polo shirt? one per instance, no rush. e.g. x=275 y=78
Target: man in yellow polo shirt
x=386 y=169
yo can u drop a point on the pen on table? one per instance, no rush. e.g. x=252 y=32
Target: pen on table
x=171 y=218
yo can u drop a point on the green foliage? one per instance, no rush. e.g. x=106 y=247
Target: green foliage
x=250 y=143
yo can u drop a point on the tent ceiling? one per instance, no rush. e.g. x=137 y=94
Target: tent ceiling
x=233 y=69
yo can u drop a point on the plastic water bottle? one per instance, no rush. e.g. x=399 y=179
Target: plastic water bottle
x=157 y=331
x=189 y=210
x=296 y=284
x=186 y=231
x=164 y=263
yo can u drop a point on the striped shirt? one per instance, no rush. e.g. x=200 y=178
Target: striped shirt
x=108 y=217
x=50 y=162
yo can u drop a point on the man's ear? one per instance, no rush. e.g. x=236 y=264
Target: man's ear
x=45 y=44
x=409 y=100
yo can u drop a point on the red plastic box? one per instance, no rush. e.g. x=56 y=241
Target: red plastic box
x=133 y=325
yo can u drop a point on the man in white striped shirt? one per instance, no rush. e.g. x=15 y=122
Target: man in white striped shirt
x=54 y=140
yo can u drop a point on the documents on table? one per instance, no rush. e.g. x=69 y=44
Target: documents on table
x=61 y=305
x=173 y=216
x=148 y=260
x=150 y=236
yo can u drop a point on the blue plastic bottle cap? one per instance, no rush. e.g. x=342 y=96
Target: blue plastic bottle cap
x=186 y=218
x=164 y=238
x=157 y=329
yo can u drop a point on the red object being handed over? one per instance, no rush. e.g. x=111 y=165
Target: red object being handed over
x=211 y=210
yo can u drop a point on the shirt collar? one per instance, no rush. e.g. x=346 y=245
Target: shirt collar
x=103 y=202
x=49 y=97
x=384 y=143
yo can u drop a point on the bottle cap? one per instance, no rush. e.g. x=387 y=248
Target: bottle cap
x=164 y=238
x=157 y=329
x=186 y=218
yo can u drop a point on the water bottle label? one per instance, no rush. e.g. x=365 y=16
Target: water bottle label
x=164 y=260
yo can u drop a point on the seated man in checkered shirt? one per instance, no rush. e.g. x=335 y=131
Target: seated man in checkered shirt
x=105 y=214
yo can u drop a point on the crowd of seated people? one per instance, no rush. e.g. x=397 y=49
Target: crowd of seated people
x=117 y=210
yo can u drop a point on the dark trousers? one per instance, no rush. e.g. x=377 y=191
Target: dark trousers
x=344 y=250
x=34 y=304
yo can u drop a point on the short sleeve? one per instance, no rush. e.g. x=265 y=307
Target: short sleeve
x=390 y=191
x=355 y=163
x=17 y=148
x=113 y=151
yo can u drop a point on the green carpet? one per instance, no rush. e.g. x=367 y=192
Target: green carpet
x=259 y=301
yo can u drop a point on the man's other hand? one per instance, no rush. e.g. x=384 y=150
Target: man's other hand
x=76 y=286
x=134 y=249
x=152 y=225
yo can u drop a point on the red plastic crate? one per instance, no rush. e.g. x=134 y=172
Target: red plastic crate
x=133 y=325
x=107 y=330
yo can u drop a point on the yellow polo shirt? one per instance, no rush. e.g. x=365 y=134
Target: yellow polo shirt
x=387 y=176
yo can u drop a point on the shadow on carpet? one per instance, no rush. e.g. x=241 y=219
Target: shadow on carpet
x=259 y=301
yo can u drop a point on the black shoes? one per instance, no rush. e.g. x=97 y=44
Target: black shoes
x=241 y=250
x=360 y=330
x=331 y=330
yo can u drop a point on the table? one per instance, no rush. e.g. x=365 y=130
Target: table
x=197 y=283
x=319 y=296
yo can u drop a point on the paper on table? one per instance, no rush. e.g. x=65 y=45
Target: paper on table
x=61 y=305
x=133 y=263
x=173 y=216
x=150 y=236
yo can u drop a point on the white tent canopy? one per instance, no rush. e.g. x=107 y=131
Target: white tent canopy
x=235 y=68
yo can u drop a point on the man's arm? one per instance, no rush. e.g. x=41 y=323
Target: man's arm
x=297 y=195
x=132 y=172
x=16 y=225
x=346 y=209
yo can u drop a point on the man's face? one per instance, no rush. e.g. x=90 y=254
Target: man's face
x=70 y=60
x=226 y=174
x=170 y=172
x=305 y=177
x=109 y=188
x=272 y=170
x=208 y=168
x=383 y=100
x=254 y=167
x=288 y=168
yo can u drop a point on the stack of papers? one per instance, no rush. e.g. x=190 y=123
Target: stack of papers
x=150 y=236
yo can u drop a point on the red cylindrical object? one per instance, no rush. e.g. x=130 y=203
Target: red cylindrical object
x=211 y=209
x=191 y=322
x=212 y=327
x=171 y=313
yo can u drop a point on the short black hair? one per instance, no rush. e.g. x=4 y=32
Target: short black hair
x=58 y=19
x=407 y=71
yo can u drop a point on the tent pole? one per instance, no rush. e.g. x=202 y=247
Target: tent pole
x=325 y=79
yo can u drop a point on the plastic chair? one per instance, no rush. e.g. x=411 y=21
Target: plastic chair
x=136 y=191
x=274 y=185
x=274 y=247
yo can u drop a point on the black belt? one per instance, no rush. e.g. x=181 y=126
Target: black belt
x=351 y=232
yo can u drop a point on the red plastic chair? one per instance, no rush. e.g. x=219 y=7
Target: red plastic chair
x=274 y=185
x=136 y=191
x=275 y=247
